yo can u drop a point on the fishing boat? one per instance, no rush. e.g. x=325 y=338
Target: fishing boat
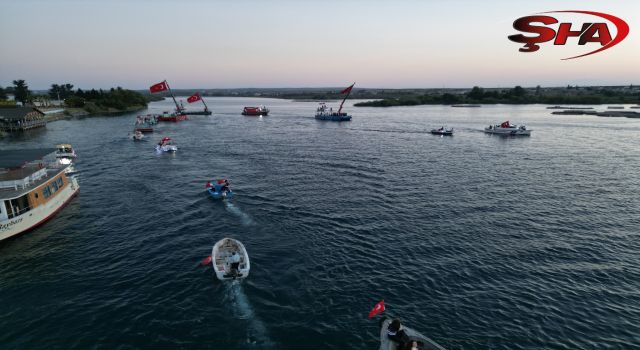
x=442 y=131
x=230 y=259
x=34 y=187
x=508 y=129
x=176 y=116
x=166 y=145
x=220 y=189
x=193 y=98
x=255 y=111
x=324 y=113
x=424 y=343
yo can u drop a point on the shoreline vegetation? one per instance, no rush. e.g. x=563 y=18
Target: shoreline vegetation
x=63 y=100
x=460 y=97
x=571 y=95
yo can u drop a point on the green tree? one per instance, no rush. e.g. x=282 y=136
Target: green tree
x=21 y=90
x=54 y=92
x=61 y=91
x=519 y=91
x=3 y=94
x=477 y=93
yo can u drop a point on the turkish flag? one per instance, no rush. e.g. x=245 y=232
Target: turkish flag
x=193 y=98
x=377 y=309
x=347 y=89
x=206 y=261
x=159 y=87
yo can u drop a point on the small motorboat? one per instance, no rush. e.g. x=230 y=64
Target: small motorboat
x=256 y=111
x=508 y=129
x=424 y=343
x=137 y=136
x=230 y=259
x=65 y=151
x=65 y=154
x=442 y=131
x=166 y=145
x=220 y=189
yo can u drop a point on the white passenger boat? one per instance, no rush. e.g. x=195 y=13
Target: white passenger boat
x=230 y=259
x=423 y=342
x=34 y=186
x=507 y=128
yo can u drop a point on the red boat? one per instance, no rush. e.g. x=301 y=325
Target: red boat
x=144 y=129
x=262 y=110
x=173 y=117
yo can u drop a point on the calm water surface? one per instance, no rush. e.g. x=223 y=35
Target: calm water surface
x=480 y=242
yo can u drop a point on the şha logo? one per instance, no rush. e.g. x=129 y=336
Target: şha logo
x=590 y=32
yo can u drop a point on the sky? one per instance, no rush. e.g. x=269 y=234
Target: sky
x=303 y=43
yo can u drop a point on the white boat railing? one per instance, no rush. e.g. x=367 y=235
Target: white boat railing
x=27 y=181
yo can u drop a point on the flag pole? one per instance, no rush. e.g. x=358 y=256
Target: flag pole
x=205 y=105
x=174 y=98
x=345 y=98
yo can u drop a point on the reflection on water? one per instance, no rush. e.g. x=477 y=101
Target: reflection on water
x=475 y=241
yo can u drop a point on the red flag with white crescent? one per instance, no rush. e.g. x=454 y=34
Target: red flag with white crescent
x=347 y=89
x=159 y=87
x=377 y=309
x=206 y=261
x=193 y=98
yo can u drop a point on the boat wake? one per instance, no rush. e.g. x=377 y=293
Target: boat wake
x=238 y=302
x=244 y=218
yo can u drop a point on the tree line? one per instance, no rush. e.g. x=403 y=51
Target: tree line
x=517 y=95
x=91 y=100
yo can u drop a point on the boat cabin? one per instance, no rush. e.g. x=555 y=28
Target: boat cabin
x=28 y=178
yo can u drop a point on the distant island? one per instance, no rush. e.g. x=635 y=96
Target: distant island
x=517 y=95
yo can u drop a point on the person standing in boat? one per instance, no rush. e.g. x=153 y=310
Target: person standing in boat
x=396 y=334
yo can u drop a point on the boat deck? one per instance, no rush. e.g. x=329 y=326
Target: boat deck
x=17 y=183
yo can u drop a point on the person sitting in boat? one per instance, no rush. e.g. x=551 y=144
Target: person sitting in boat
x=225 y=187
x=234 y=263
x=396 y=334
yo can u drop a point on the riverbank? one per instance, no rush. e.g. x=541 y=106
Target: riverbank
x=68 y=113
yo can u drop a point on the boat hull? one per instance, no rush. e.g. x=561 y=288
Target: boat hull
x=508 y=132
x=144 y=130
x=198 y=112
x=442 y=133
x=173 y=118
x=333 y=118
x=40 y=214
x=219 y=195
x=219 y=254
x=166 y=148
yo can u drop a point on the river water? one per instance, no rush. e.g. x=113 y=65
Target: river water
x=478 y=241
